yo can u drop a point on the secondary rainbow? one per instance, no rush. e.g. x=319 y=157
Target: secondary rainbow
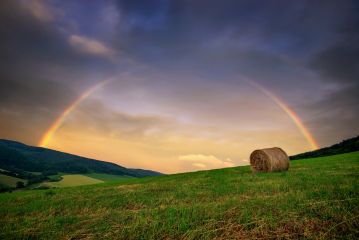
x=54 y=127
x=288 y=111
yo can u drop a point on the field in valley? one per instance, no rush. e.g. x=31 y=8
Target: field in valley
x=74 y=180
x=316 y=199
x=10 y=181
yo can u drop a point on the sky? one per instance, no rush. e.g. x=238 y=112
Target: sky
x=178 y=85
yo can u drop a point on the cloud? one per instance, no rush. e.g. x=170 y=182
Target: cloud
x=199 y=165
x=86 y=45
x=229 y=160
x=338 y=66
x=39 y=48
x=227 y=164
x=245 y=160
x=210 y=160
x=28 y=108
x=200 y=157
x=40 y=11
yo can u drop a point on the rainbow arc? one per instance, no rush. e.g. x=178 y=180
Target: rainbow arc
x=57 y=124
x=287 y=111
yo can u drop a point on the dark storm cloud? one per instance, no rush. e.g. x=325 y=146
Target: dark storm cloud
x=338 y=64
x=30 y=49
x=29 y=105
x=30 y=45
x=178 y=27
x=29 y=93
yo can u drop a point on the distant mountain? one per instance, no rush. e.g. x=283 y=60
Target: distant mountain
x=38 y=159
x=346 y=146
x=147 y=172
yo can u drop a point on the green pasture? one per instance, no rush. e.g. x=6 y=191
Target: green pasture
x=316 y=199
x=10 y=181
x=74 y=180
x=108 y=177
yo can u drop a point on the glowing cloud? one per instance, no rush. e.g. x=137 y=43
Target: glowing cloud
x=52 y=130
x=205 y=159
x=87 y=45
x=199 y=165
x=40 y=11
x=288 y=111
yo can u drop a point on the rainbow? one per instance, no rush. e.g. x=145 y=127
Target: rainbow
x=54 y=127
x=289 y=112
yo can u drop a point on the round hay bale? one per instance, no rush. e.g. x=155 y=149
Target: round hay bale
x=269 y=160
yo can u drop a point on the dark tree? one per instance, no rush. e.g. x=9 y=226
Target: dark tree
x=20 y=184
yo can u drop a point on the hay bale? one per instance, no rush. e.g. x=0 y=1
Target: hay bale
x=269 y=160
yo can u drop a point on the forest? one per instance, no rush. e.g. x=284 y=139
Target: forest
x=346 y=146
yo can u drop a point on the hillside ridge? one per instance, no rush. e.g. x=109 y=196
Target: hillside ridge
x=345 y=146
x=40 y=159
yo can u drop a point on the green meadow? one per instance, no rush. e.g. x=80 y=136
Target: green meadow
x=74 y=180
x=108 y=177
x=10 y=181
x=316 y=199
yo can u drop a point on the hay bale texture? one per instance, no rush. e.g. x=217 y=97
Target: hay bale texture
x=269 y=160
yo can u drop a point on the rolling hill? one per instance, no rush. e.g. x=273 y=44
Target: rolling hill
x=37 y=159
x=346 y=146
x=10 y=157
x=316 y=199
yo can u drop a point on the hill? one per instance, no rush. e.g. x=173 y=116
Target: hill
x=346 y=146
x=316 y=199
x=147 y=172
x=10 y=157
x=37 y=159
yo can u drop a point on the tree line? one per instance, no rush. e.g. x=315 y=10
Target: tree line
x=346 y=146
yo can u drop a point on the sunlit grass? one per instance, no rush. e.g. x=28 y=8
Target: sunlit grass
x=108 y=177
x=10 y=181
x=317 y=198
x=74 y=180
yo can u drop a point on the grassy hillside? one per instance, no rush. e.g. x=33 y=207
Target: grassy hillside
x=74 y=180
x=37 y=159
x=10 y=181
x=316 y=199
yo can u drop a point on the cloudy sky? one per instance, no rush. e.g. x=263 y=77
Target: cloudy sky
x=189 y=78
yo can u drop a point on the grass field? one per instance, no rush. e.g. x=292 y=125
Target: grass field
x=74 y=180
x=10 y=181
x=316 y=199
x=107 y=177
